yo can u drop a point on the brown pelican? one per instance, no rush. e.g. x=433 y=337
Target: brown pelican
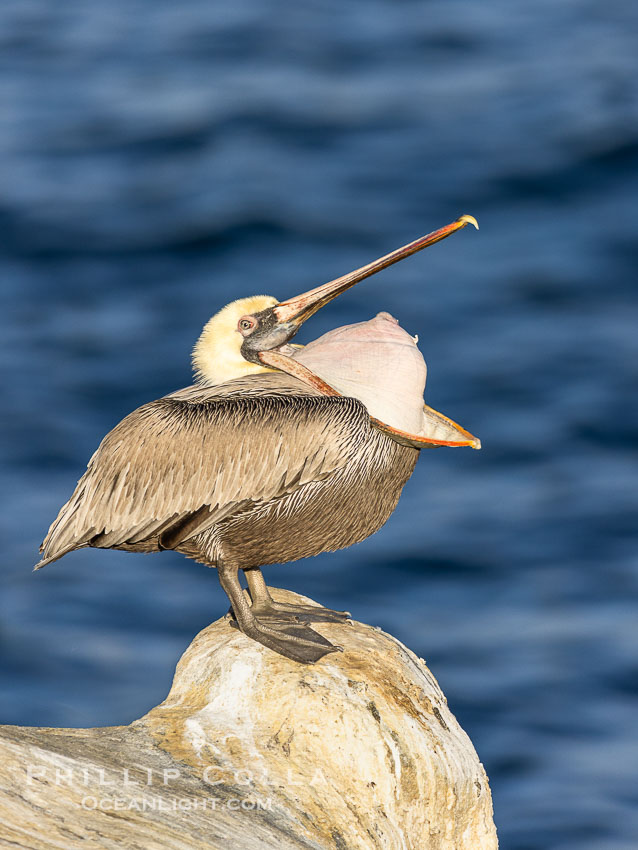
x=278 y=452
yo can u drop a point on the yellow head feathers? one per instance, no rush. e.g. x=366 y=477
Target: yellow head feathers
x=217 y=354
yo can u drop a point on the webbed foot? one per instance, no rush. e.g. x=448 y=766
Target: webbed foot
x=266 y=609
x=282 y=611
x=276 y=625
x=292 y=640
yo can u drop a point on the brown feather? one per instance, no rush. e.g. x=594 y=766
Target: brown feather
x=211 y=469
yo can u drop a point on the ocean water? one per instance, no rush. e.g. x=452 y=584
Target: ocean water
x=158 y=160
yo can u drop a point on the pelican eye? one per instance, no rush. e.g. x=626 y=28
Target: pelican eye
x=246 y=325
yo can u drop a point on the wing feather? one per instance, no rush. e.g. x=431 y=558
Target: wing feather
x=178 y=465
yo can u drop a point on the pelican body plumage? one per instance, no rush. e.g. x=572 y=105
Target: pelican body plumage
x=266 y=459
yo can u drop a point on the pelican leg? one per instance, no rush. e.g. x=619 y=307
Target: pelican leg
x=294 y=641
x=265 y=607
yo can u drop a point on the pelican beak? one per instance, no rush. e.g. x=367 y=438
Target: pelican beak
x=294 y=312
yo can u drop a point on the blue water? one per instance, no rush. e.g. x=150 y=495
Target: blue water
x=160 y=159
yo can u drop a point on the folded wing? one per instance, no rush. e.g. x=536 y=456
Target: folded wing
x=178 y=465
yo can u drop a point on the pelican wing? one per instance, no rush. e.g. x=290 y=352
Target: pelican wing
x=180 y=464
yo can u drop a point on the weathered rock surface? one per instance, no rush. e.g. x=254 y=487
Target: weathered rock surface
x=251 y=750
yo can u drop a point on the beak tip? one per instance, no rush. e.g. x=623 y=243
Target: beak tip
x=469 y=219
x=476 y=444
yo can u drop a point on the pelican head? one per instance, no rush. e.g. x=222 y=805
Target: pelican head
x=235 y=341
x=217 y=356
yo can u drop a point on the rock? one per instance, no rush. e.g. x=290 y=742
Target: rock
x=252 y=750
